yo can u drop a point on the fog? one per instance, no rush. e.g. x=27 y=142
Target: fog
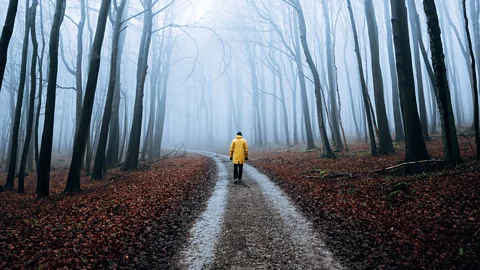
x=216 y=67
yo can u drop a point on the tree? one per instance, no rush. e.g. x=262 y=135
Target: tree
x=98 y=166
x=112 y=156
x=416 y=37
x=474 y=82
x=385 y=145
x=335 y=126
x=45 y=157
x=397 y=116
x=6 y=36
x=73 y=181
x=327 y=150
x=366 y=98
x=415 y=147
x=18 y=109
x=31 y=107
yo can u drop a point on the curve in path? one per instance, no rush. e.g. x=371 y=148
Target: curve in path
x=252 y=227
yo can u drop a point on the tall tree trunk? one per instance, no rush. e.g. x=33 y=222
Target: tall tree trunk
x=18 y=109
x=73 y=181
x=78 y=70
x=31 y=107
x=350 y=92
x=385 y=145
x=6 y=36
x=397 y=115
x=112 y=156
x=414 y=141
x=303 y=88
x=98 y=166
x=331 y=79
x=417 y=36
x=131 y=161
x=40 y=88
x=45 y=158
x=373 y=144
x=327 y=150
x=474 y=84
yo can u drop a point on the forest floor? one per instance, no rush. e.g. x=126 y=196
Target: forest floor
x=375 y=218
x=303 y=212
x=128 y=220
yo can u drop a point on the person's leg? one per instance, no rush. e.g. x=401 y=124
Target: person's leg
x=235 y=171
x=240 y=171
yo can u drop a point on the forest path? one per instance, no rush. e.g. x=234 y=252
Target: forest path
x=252 y=226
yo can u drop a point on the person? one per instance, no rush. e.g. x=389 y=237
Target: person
x=238 y=154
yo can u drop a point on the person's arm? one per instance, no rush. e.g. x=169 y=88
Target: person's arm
x=232 y=146
x=245 y=147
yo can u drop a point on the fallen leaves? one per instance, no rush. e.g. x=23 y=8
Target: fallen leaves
x=385 y=220
x=132 y=220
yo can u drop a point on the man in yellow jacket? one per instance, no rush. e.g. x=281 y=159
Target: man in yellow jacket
x=238 y=154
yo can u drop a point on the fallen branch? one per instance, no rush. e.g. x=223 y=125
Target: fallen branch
x=407 y=164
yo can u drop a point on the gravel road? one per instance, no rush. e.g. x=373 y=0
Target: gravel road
x=252 y=226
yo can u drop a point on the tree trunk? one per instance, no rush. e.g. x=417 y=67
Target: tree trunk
x=112 y=157
x=73 y=181
x=474 y=84
x=131 y=161
x=45 y=158
x=327 y=150
x=331 y=79
x=385 y=145
x=417 y=36
x=414 y=141
x=18 y=109
x=98 y=166
x=373 y=144
x=6 y=36
x=31 y=107
x=303 y=88
x=397 y=116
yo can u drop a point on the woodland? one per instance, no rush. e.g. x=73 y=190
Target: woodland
x=365 y=113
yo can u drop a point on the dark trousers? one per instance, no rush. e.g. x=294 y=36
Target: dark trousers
x=237 y=171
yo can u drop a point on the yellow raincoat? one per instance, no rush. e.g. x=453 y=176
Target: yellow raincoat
x=239 y=150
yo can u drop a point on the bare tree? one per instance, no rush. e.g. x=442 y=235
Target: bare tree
x=415 y=147
x=98 y=166
x=366 y=98
x=73 y=181
x=45 y=157
x=6 y=36
x=474 y=83
x=385 y=145
x=18 y=108
x=31 y=107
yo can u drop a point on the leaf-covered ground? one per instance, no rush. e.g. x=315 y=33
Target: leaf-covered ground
x=427 y=220
x=128 y=220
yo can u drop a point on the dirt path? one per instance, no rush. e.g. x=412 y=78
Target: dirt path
x=252 y=226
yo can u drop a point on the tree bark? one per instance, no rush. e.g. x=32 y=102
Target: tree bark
x=6 y=36
x=31 y=107
x=417 y=36
x=98 y=166
x=327 y=150
x=45 y=158
x=373 y=144
x=331 y=79
x=73 y=181
x=474 y=83
x=385 y=145
x=397 y=115
x=18 y=109
x=414 y=141
x=131 y=160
